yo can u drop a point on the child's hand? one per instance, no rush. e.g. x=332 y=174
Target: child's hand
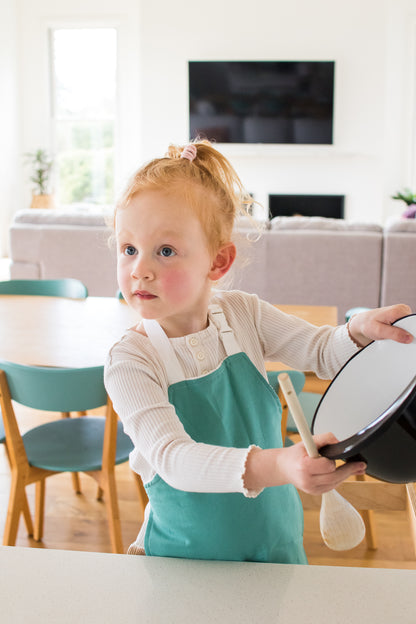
x=316 y=475
x=292 y=464
x=376 y=325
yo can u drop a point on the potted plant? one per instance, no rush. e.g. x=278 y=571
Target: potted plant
x=41 y=164
x=409 y=199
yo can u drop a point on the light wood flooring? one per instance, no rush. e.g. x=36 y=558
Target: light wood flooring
x=78 y=522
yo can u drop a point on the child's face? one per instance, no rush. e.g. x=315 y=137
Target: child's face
x=164 y=266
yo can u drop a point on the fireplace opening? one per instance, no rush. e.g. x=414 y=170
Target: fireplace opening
x=331 y=206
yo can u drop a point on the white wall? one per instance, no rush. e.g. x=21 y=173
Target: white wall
x=370 y=40
x=9 y=116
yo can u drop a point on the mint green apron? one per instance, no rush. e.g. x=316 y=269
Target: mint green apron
x=232 y=406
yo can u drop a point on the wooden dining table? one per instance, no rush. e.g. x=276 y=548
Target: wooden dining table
x=57 y=331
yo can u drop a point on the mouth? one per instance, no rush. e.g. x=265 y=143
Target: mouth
x=143 y=295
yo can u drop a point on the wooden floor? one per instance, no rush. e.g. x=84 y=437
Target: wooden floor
x=78 y=522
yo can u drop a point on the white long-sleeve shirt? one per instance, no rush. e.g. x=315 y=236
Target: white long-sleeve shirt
x=137 y=383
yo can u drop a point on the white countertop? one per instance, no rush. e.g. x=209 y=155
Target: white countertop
x=56 y=586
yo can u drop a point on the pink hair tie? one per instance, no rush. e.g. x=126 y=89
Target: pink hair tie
x=189 y=152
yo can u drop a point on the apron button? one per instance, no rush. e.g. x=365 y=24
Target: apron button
x=200 y=356
x=193 y=341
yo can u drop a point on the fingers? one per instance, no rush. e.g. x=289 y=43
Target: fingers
x=377 y=324
x=349 y=469
x=319 y=475
x=321 y=439
x=395 y=312
x=396 y=333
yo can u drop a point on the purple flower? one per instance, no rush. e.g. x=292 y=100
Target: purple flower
x=410 y=212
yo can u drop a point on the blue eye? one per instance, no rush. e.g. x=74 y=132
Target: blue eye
x=167 y=252
x=130 y=250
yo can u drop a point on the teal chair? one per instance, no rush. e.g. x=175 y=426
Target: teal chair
x=93 y=445
x=308 y=400
x=298 y=381
x=65 y=287
x=349 y=313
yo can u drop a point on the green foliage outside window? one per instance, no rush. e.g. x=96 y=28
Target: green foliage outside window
x=86 y=162
x=86 y=178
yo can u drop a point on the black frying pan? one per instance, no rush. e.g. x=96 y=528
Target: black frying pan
x=370 y=406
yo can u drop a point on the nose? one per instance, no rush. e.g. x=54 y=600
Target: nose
x=142 y=268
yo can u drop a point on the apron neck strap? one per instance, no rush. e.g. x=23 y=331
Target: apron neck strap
x=163 y=346
x=226 y=333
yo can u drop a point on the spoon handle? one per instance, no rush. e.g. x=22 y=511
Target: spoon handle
x=298 y=415
x=341 y=525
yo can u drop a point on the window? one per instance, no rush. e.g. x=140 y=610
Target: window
x=84 y=113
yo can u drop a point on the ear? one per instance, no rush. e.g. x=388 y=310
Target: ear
x=222 y=262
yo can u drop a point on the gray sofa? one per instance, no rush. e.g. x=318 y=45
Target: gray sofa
x=399 y=263
x=295 y=260
x=49 y=244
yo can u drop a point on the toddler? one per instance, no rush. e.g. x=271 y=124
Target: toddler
x=189 y=380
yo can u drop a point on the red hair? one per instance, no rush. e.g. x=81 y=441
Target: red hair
x=208 y=184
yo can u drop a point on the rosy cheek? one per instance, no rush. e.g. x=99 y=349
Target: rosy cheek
x=174 y=283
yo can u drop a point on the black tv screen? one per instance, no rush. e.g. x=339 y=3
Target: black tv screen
x=262 y=101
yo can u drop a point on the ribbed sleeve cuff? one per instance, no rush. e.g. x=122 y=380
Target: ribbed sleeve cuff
x=246 y=492
x=345 y=347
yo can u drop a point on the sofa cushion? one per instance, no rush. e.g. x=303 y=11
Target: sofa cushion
x=322 y=223
x=395 y=224
x=398 y=284
x=52 y=244
x=72 y=216
x=324 y=267
x=251 y=223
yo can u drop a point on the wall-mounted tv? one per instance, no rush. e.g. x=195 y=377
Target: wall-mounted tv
x=262 y=101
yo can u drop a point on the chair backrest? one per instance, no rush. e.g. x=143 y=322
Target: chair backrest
x=65 y=287
x=350 y=313
x=296 y=377
x=56 y=389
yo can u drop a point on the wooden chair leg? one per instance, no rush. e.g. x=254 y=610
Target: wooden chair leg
x=74 y=475
x=100 y=493
x=141 y=491
x=367 y=516
x=39 y=509
x=411 y=506
x=26 y=508
x=16 y=505
x=113 y=513
x=76 y=482
x=27 y=516
x=285 y=414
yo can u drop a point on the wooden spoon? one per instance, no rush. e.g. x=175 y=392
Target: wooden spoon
x=342 y=527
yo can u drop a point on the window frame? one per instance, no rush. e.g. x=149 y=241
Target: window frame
x=53 y=121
